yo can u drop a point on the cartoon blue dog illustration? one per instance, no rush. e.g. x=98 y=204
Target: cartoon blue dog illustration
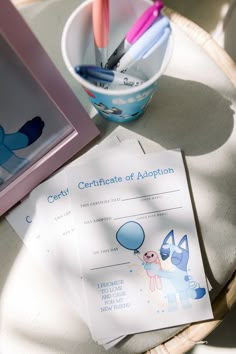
x=24 y=137
x=177 y=282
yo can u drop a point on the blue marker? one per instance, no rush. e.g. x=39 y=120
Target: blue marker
x=145 y=45
x=102 y=76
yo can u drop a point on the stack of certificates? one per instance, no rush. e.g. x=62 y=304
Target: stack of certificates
x=116 y=228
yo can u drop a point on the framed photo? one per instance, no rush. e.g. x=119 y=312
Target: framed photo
x=42 y=123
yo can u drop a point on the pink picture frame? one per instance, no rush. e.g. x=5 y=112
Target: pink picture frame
x=42 y=123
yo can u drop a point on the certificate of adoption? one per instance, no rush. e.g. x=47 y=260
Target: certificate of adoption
x=139 y=250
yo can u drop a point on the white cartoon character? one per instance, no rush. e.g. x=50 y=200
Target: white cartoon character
x=155 y=280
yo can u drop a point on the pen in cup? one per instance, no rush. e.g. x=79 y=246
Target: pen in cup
x=157 y=34
x=135 y=32
x=101 y=25
x=110 y=78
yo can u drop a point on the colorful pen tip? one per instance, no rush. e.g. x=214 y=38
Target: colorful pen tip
x=159 y=4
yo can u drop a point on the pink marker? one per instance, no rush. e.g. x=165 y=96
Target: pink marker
x=136 y=31
x=101 y=24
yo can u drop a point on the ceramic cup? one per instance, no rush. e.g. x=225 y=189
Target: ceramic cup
x=77 y=44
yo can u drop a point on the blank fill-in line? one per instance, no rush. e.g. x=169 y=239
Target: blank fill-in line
x=109 y=266
x=150 y=195
x=150 y=212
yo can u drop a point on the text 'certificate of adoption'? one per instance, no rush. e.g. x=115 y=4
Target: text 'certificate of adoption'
x=138 y=244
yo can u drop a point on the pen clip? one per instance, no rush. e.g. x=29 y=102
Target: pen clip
x=161 y=40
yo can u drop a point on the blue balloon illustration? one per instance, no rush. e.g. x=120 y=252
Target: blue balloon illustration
x=131 y=236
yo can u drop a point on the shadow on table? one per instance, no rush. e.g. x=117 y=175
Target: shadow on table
x=187 y=115
x=206 y=14
x=222 y=340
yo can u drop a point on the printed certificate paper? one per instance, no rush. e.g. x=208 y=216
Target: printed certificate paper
x=48 y=208
x=138 y=245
